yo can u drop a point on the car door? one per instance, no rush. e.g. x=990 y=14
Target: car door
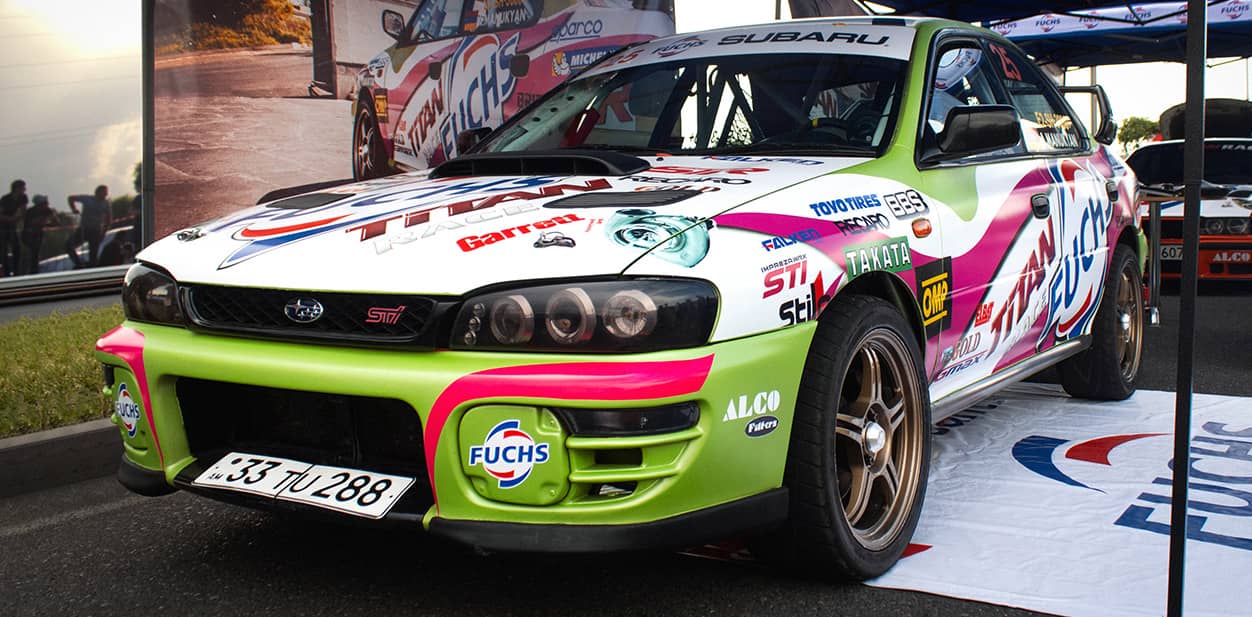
x=997 y=248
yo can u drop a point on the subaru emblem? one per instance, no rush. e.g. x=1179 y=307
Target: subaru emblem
x=303 y=310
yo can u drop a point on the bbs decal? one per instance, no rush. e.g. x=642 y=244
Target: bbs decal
x=906 y=204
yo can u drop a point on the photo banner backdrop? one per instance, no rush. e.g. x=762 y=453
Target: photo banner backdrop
x=252 y=97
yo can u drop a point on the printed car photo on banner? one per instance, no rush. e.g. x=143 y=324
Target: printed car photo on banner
x=254 y=97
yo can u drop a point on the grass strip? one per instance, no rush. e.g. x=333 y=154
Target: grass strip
x=50 y=377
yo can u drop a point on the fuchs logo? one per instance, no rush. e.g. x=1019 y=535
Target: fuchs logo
x=385 y=316
x=1234 y=9
x=761 y=427
x=678 y=47
x=1181 y=15
x=1005 y=28
x=508 y=454
x=1048 y=22
x=1037 y=453
x=1085 y=216
x=1090 y=21
x=127 y=410
x=758 y=404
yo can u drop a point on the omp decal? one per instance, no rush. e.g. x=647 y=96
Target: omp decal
x=567 y=381
x=934 y=286
x=891 y=255
x=127 y=344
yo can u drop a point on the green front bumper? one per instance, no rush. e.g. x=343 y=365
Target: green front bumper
x=460 y=396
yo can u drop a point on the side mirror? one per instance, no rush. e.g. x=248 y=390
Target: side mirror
x=976 y=129
x=467 y=139
x=519 y=65
x=1107 y=130
x=393 y=24
x=434 y=69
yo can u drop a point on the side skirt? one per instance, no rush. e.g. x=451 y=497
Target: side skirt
x=969 y=395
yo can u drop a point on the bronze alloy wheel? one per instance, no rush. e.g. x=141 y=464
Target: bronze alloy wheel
x=1129 y=322
x=878 y=444
x=367 y=148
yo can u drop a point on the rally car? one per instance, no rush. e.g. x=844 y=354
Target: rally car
x=458 y=65
x=1225 y=206
x=738 y=314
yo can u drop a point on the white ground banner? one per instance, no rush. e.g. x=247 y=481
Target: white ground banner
x=1053 y=504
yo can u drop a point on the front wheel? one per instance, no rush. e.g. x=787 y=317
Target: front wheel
x=369 y=159
x=1107 y=370
x=860 y=446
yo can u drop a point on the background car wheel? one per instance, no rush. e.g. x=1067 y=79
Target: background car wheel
x=369 y=160
x=860 y=446
x=1107 y=369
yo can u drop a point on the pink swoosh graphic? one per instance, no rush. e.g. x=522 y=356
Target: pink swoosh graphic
x=127 y=344
x=604 y=381
x=278 y=231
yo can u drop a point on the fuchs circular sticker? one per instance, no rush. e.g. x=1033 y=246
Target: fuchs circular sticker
x=127 y=410
x=508 y=454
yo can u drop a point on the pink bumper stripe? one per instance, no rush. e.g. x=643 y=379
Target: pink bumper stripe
x=127 y=344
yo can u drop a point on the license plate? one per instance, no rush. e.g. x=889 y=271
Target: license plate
x=352 y=491
x=1171 y=252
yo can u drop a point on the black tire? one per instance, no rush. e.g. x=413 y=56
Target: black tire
x=1107 y=370
x=369 y=159
x=835 y=432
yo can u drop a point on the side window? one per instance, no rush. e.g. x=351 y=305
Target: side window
x=491 y=15
x=963 y=76
x=1047 y=126
x=437 y=19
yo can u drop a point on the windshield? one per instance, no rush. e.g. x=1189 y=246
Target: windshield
x=1224 y=163
x=838 y=104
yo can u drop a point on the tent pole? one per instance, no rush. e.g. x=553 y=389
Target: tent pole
x=1193 y=175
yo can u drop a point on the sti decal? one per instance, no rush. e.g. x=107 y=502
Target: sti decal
x=508 y=454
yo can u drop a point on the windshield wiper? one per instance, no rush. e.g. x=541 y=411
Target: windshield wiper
x=790 y=148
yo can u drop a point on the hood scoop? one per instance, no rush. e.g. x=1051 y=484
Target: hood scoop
x=550 y=163
x=618 y=199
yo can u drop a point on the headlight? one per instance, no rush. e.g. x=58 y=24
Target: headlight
x=1225 y=226
x=597 y=316
x=151 y=295
x=1212 y=227
x=1238 y=227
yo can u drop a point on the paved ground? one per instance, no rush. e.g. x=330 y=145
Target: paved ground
x=232 y=126
x=93 y=548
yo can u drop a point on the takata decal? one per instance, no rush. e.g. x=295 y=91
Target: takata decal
x=798 y=37
x=891 y=255
x=265 y=229
x=471 y=243
x=934 y=293
x=127 y=410
x=509 y=454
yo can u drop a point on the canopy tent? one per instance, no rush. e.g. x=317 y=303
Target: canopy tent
x=1195 y=33
x=1129 y=34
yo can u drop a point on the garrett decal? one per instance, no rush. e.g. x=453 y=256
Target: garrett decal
x=127 y=411
x=891 y=255
x=761 y=427
x=471 y=243
x=934 y=284
x=758 y=404
x=508 y=454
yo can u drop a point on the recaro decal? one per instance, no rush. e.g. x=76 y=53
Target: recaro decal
x=853 y=225
x=934 y=285
x=891 y=255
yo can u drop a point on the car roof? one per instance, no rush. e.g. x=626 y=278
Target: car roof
x=1207 y=140
x=901 y=21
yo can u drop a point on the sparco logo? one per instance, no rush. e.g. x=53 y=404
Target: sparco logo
x=303 y=310
x=508 y=454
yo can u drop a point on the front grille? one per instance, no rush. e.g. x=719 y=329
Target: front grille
x=370 y=318
x=357 y=432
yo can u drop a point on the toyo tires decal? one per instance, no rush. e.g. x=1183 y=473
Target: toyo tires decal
x=603 y=381
x=127 y=344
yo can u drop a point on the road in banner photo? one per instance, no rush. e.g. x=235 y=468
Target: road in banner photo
x=234 y=125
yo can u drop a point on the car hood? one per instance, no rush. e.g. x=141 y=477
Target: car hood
x=412 y=234
x=1211 y=207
